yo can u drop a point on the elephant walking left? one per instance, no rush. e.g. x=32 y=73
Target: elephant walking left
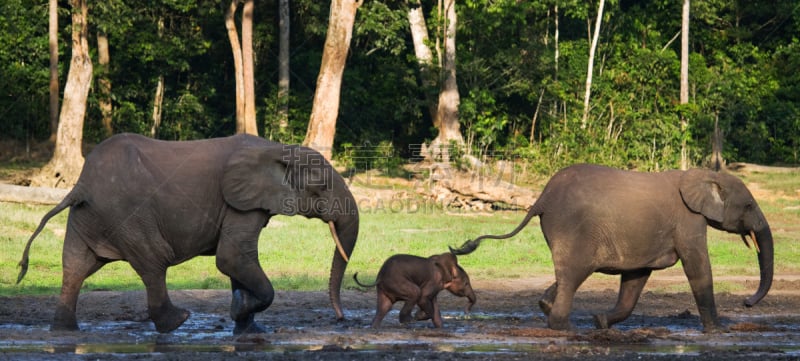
x=157 y=203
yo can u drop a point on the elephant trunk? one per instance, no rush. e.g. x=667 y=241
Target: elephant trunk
x=472 y=299
x=763 y=239
x=346 y=230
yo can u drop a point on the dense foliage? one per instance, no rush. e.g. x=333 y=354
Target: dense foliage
x=744 y=73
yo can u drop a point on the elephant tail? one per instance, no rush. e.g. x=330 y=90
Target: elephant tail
x=471 y=245
x=355 y=278
x=68 y=201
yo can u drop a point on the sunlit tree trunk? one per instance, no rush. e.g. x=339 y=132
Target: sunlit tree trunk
x=104 y=83
x=245 y=109
x=424 y=55
x=684 y=96
x=65 y=166
x=248 y=69
x=447 y=112
x=158 y=98
x=325 y=110
x=283 y=65
x=53 y=45
x=592 y=50
x=158 y=104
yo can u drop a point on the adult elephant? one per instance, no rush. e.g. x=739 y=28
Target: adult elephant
x=158 y=203
x=599 y=219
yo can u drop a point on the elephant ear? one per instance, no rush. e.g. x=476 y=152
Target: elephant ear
x=702 y=193
x=448 y=265
x=258 y=178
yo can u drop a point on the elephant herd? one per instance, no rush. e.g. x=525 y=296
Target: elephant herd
x=158 y=203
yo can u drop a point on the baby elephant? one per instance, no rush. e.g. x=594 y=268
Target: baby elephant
x=417 y=281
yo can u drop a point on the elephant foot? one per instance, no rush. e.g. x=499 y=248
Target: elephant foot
x=244 y=304
x=248 y=326
x=168 y=321
x=714 y=328
x=601 y=321
x=422 y=316
x=64 y=320
x=560 y=325
x=545 y=306
x=64 y=326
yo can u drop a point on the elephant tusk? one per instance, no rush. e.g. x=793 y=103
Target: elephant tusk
x=755 y=241
x=336 y=240
x=744 y=239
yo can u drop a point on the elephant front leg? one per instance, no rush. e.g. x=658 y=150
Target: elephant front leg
x=630 y=288
x=697 y=268
x=237 y=257
x=244 y=306
x=430 y=306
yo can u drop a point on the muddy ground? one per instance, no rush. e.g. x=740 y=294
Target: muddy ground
x=504 y=325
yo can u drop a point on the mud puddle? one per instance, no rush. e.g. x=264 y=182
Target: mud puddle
x=493 y=335
x=504 y=325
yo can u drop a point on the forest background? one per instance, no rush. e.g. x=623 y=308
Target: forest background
x=521 y=76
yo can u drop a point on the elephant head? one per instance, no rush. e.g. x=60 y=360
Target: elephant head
x=728 y=205
x=294 y=180
x=455 y=278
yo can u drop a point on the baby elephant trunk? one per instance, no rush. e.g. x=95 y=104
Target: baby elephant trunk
x=472 y=299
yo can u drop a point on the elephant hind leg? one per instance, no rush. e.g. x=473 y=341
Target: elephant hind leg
x=549 y=296
x=79 y=262
x=383 y=306
x=630 y=288
x=567 y=285
x=165 y=316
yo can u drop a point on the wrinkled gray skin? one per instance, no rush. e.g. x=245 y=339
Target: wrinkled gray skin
x=599 y=219
x=417 y=281
x=156 y=204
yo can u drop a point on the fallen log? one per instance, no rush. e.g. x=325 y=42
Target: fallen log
x=31 y=195
x=755 y=168
x=471 y=190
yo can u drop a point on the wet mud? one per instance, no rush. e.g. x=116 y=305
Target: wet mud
x=505 y=325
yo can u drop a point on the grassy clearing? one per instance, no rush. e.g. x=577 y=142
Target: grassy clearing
x=296 y=252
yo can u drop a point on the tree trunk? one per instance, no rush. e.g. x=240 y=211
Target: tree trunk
x=283 y=66
x=447 y=112
x=233 y=37
x=65 y=166
x=158 y=103
x=248 y=71
x=592 y=50
x=53 y=45
x=104 y=83
x=424 y=55
x=684 y=96
x=325 y=110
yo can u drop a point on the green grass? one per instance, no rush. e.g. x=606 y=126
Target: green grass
x=296 y=252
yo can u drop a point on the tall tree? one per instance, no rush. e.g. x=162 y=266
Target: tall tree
x=283 y=65
x=590 y=67
x=65 y=166
x=446 y=120
x=53 y=46
x=104 y=83
x=423 y=54
x=243 y=66
x=684 y=92
x=325 y=110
